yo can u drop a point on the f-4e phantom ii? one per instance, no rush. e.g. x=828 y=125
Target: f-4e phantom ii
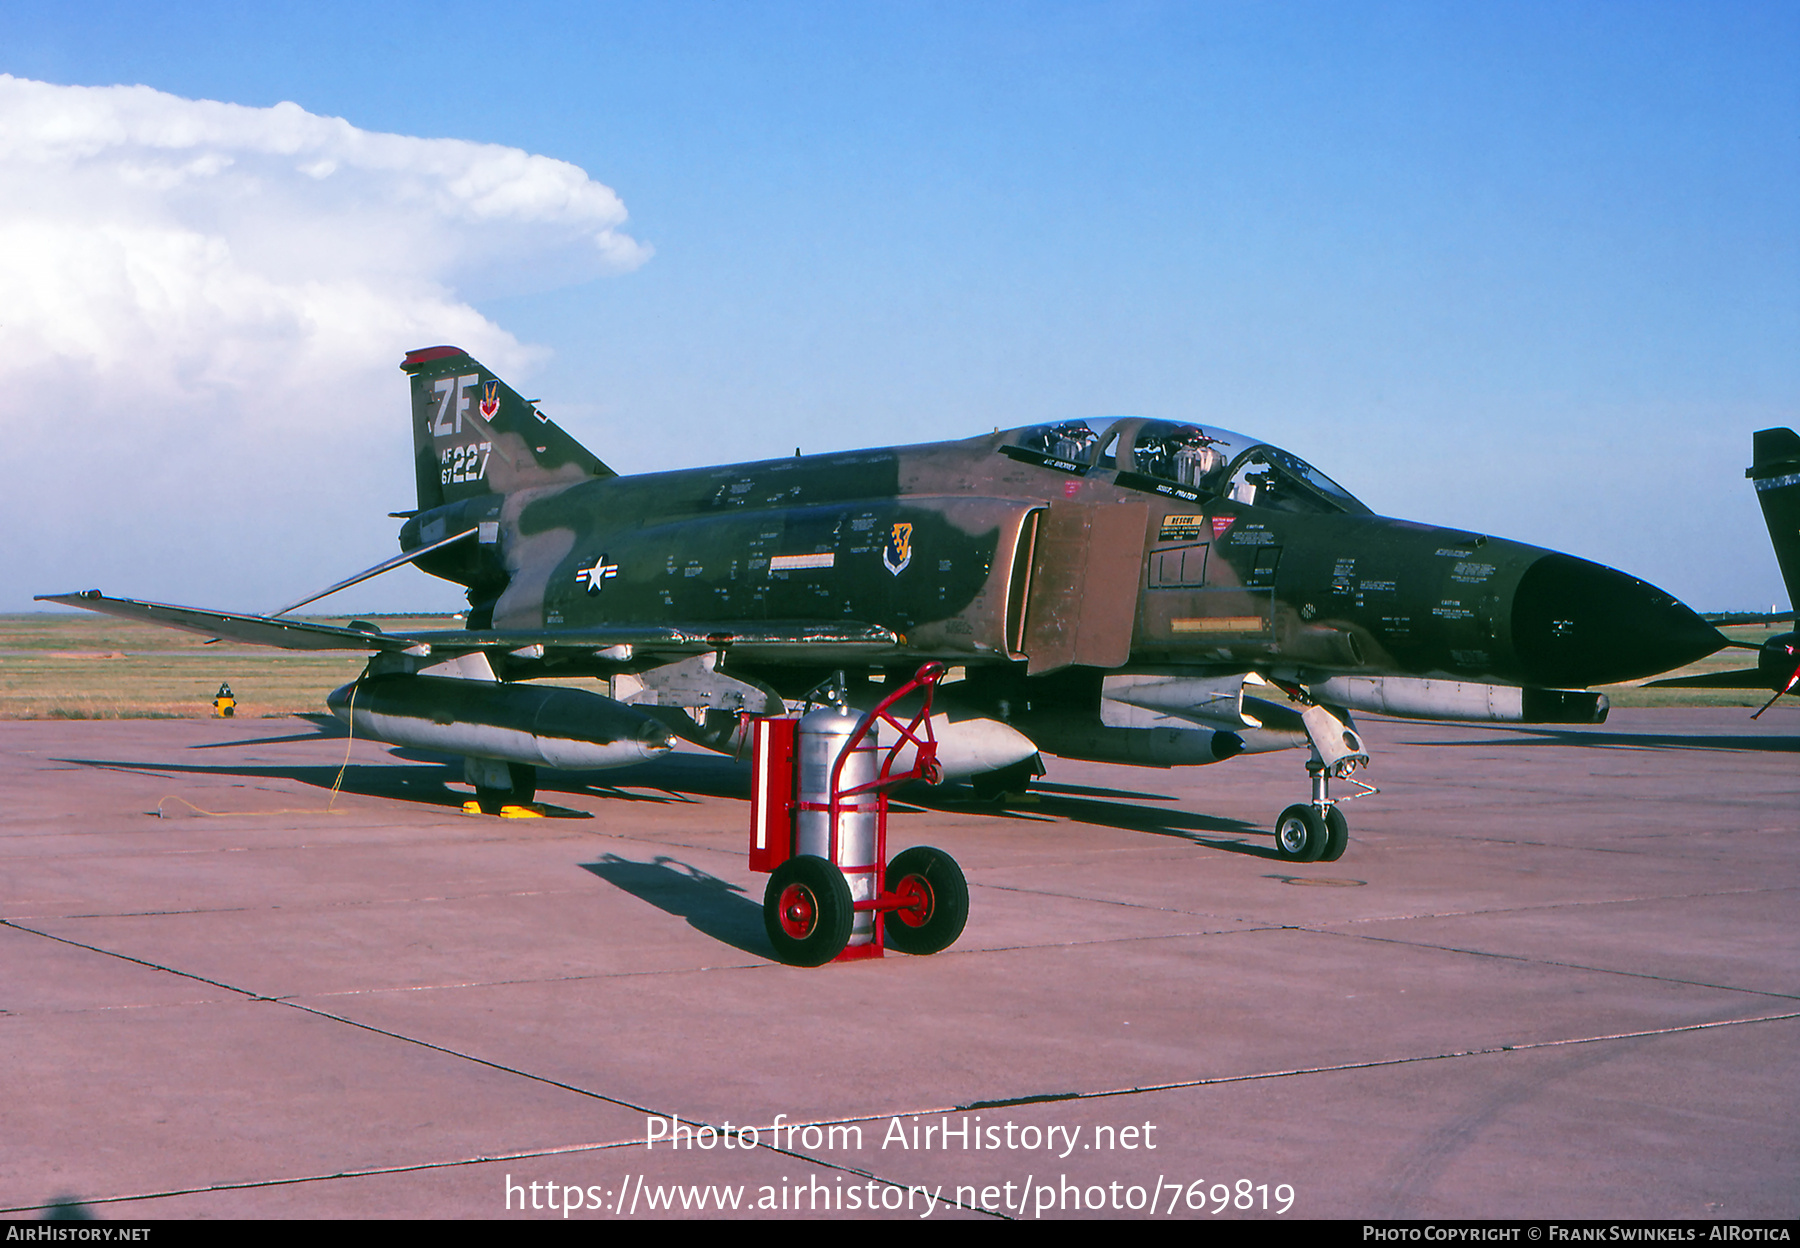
x=1128 y=590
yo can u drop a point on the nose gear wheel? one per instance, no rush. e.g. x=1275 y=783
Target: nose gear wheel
x=1300 y=834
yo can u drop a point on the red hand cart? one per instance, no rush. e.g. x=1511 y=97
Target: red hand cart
x=818 y=824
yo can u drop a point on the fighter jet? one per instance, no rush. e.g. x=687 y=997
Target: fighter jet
x=1150 y=592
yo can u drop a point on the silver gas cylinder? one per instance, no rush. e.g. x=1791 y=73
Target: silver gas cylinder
x=822 y=736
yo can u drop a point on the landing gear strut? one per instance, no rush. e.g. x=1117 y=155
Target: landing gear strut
x=1317 y=831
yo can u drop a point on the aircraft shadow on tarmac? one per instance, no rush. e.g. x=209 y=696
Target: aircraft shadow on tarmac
x=298 y=736
x=712 y=907
x=419 y=785
x=681 y=777
x=1048 y=803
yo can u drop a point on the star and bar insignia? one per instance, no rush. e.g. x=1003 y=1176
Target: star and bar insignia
x=596 y=576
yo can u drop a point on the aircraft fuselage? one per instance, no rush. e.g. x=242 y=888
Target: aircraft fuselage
x=981 y=552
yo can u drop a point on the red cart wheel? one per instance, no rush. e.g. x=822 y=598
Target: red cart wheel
x=934 y=900
x=807 y=911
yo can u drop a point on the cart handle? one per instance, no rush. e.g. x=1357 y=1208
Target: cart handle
x=925 y=764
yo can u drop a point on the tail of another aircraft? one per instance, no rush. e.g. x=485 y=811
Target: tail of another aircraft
x=1776 y=472
x=474 y=435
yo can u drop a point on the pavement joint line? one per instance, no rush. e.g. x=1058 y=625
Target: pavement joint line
x=1038 y=1098
x=289 y=998
x=1033 y=1099
x=1561 y=905
x=467 y=1057
x=143 y=914
x=126 y=957
x=350 y=1022
x=488 y=1159
x=1627 y=850
x=542 y=979
x=1045 y=1098
x=1103 y=901
x=1255 y=926
x=179 y=851
x=104 y=1009
x=319 y=906
x=1372 y=1064
x=369 y=1172
x=1252 y=926
x=1647 y=839
x=1571 y=966
x=1060 y=1097
x=1209 y=1081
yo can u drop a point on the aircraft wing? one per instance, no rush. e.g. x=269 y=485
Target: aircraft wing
x=290 y=634
x=258 y=630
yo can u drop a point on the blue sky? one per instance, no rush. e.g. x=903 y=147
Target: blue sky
x=1527 y=269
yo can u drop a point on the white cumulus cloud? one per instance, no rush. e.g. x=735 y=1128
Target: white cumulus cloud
x=202 y=307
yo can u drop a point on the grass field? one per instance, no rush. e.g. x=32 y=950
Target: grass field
x=70 y=666
x=1634 y=694
x=56 y=666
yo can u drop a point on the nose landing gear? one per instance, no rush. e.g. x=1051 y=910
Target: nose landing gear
x=1317 y=831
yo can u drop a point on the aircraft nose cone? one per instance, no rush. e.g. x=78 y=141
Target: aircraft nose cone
x=1576 y=623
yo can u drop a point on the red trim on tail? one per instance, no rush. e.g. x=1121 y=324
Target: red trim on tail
x=425 y=355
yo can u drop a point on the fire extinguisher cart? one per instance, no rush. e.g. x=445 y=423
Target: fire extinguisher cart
x=818 y=824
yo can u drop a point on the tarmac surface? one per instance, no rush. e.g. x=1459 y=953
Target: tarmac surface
x=1556 y=975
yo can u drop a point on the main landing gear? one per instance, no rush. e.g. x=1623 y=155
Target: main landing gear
x=499 y=785
x=1317 y=831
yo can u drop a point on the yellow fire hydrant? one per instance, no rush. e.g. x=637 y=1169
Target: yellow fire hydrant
x=224 y=705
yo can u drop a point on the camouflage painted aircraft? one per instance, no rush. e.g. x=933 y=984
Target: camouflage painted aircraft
x=1136 y=591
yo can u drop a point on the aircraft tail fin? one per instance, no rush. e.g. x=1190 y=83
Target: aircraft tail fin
x=474 y=435
x=1776 y=472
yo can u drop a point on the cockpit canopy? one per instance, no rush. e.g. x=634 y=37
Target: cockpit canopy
x=1201 y=462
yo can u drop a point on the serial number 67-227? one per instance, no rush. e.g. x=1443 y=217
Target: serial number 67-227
x=467 y=462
